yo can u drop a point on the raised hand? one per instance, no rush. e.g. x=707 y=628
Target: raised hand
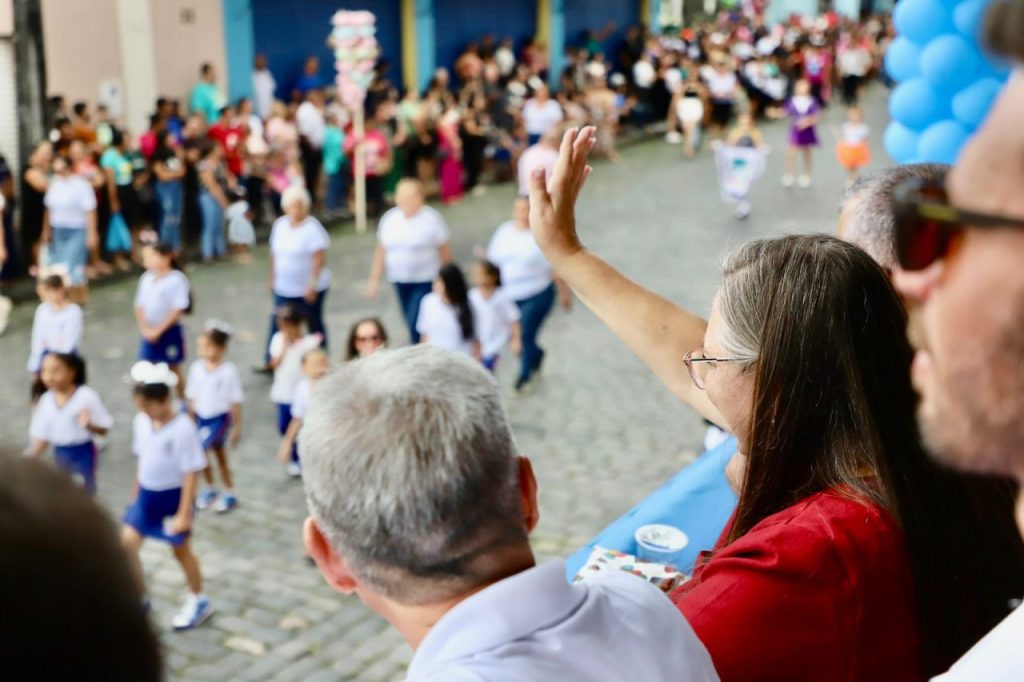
x=553 y=212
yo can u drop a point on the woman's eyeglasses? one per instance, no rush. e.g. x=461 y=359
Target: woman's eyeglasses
x=928 y=228
x=700 y=365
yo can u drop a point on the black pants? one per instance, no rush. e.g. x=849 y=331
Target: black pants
x=851 y=89
x=473 y=147
x=254 y=195
x=312 y=160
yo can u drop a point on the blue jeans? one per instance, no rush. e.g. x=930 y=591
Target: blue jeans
x=533 y=312
x=211 y=239
x=314 y=313
x=410 y=294
x=68 y=247
x=171 y=199
x=337 y=191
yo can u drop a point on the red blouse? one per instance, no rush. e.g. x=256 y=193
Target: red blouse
x=821 y=591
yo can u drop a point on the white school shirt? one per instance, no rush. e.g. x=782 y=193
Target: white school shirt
x=59 y=425
x=493 y=318
x=855 y=133
x=998 y=657
x=721 y=85
x=439 y=322
x=309 y=119
x=69 y=199
x=213 y=392
x=536 y=626
x=160 y=296
x=263 y=87
x=540 y=118
x=166 y=455
x=525 y=272
x=411 y=244
x=293 y=248
x=289 y=371
x=300 y=399
x=56 y=331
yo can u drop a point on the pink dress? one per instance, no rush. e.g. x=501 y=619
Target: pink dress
x=451 y=165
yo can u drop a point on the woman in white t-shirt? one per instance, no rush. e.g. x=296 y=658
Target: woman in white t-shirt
x=412 y=245
x=69 y=225
x=298 y=275
x=540 y=113
x=446 y=316
x=527 y=279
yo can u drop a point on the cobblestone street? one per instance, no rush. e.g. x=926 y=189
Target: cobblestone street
x=600 y=429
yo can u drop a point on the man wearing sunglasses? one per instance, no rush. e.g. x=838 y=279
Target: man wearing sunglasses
x=961 y=259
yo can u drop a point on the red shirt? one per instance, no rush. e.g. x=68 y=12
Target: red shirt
x=230 y=138
x=819 y=592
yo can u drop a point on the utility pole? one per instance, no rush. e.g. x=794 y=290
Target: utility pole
x=30 y=75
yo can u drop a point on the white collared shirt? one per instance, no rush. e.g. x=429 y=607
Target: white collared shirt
x=535 y=626
x=168 y=454
x=56 y=331
x=213 y=392
x=493 y=318
x=998 y=657
x=159 y=296
x=59 y=425
x=525 y=272
x=438 y=322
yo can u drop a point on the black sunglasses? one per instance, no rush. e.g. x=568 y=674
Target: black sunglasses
x=928 y=228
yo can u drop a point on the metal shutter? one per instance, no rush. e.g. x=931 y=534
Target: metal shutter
x=593 y=15
x=8 y=106
x=459 y=22
x=288 y=31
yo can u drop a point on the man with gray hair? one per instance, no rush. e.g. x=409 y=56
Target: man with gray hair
x=421 y=505
x=866 y=212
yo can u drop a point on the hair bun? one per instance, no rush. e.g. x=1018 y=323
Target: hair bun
x=148 y=374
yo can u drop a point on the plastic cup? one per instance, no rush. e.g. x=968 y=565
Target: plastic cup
x=660 y=543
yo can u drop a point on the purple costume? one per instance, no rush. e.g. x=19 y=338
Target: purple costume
x=806 y=137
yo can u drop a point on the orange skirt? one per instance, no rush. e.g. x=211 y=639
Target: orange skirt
x=853 y=155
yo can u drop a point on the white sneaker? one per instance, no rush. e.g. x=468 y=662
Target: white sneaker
x=804 y=181
x=294 y=469
x=743 y=210
x=787 y=180
x=673 y=137
x=194 y=612
x=5 y=312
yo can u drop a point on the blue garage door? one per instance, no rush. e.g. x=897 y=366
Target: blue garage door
x=288 y=31
x=459 y=22
x=594 y=15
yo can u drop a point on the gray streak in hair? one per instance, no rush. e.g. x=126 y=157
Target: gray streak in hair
x=411 y=471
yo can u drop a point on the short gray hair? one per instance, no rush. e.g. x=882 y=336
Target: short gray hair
x=872 y=225
x=411 y=471
x=296 y=193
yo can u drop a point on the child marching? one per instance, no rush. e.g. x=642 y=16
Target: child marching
x=166 y=442
x=214 y=393
x=162 y=300
x=314 y=366
x=69 y=416
x=57 y=325
x=287 y=349
x=496 y=315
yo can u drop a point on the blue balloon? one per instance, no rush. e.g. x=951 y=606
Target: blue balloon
x=941 y=142
x=915 y=104
x=967 y=17
x=949 y=62
x=900 y=142
x=922 y=20
x=971 y=105
x=903 y=59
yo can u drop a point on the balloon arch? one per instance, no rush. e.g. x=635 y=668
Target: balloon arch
x=946 y=81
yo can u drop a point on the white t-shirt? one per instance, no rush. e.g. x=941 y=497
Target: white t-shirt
x=854 y=61
x=525 y=272
x=293 y=248
x=540 y=118
x=411 y=244
x=439 y=322
x=160 y=296
x=56 y=331
x=289 y=370
x=644 y=74
x=311 y=124
x=536 y=626
x=213 y=392
x=59 y=425
x=69 y=199
x=998 y=657
x=721 y=85
x=166 y=455
x=855 y=133
x=493 y=318
x=263 y=87
x=300 y=399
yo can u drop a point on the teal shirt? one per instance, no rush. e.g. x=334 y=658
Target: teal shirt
x=334 y=157
x=207 y=100
x=119 y=163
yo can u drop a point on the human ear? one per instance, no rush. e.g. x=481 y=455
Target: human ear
x=330 y=563
x=528 y=495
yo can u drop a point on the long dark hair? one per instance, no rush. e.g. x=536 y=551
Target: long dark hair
x=833 y=409
x=456 y=292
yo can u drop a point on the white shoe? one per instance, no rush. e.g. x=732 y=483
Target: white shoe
x=5 y=312
x=294 y=469
x=804 y=181
x=673 y=137
x=787 y=180
x=194 y=612
x=743 y=210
